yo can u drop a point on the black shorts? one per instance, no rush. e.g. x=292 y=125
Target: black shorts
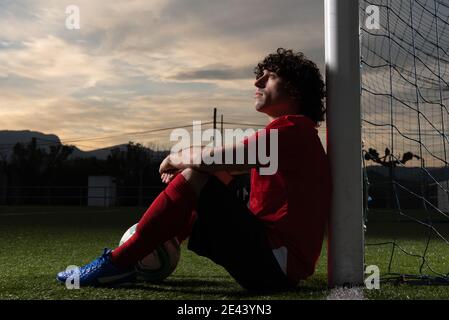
x=226 y=232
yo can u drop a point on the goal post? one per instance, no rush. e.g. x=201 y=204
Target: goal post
x=345 y=231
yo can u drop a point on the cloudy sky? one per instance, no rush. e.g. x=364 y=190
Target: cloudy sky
x=139 y=65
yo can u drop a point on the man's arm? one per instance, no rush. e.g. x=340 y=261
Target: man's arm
x=210 y=159
x=240 y=172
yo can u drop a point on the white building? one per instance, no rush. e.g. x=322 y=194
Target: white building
x=102 y=191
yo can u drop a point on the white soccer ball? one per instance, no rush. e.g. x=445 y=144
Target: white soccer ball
x=159 y=264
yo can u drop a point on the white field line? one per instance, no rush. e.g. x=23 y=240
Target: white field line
x=38 y=213
x=346 y=294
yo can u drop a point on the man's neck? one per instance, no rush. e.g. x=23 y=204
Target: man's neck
x=290 y=110
x=272 y=118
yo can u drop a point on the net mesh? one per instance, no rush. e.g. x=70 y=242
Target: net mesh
x=405 y=120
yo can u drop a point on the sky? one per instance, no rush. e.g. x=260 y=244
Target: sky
x=139 y=65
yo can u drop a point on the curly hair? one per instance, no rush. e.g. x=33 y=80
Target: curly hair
x=302 y=78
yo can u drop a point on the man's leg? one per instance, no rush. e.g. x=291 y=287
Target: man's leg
x=195 y=179
x=230 y=235
x=197 y=184
x=167 y=217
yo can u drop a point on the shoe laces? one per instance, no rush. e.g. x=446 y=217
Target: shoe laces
x=97 y=263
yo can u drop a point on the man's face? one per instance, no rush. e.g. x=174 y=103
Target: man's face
x=270 y=94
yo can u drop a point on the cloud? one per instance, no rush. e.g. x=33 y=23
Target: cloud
x=216 y=73
x=136 y=65
x=56 y=63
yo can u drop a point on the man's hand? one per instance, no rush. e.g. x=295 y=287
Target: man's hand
x=167 y=170
x=167 y=166
x=167 y=177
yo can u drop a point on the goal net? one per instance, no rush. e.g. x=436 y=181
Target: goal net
x=405 y=125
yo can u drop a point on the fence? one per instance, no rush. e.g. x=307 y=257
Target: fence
x=102 y=196
x=78 y=195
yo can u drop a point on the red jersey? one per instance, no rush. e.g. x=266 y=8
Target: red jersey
x=294 y=203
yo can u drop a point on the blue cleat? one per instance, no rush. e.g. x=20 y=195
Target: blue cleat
x=100 y=272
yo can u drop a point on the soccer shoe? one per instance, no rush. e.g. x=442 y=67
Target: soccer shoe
x=100 y=272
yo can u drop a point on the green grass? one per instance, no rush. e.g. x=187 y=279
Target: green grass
x=37 y=242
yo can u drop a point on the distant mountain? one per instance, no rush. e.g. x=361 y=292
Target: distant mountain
x=101 y=154
x=9 y=138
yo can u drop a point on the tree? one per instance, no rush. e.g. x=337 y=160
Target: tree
x=388 y=160
x=133 y=166
x=27 y=161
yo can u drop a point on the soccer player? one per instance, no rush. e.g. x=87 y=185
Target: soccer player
x=276 y=240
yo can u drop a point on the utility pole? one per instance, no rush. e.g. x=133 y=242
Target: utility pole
x=221 y=130
x=215 y=126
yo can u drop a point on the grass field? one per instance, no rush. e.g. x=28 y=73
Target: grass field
x=37 y=242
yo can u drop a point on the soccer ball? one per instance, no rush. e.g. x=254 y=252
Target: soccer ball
x=159 y=264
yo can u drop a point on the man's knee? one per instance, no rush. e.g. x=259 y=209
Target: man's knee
x=195 y=179
x=224 y=176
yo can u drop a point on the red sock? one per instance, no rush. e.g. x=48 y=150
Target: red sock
x=168 y=216
x=185 y=232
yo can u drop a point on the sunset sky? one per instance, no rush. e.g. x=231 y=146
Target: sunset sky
x=139 y=65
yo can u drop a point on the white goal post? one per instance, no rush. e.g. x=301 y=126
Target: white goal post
x=345 y=232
